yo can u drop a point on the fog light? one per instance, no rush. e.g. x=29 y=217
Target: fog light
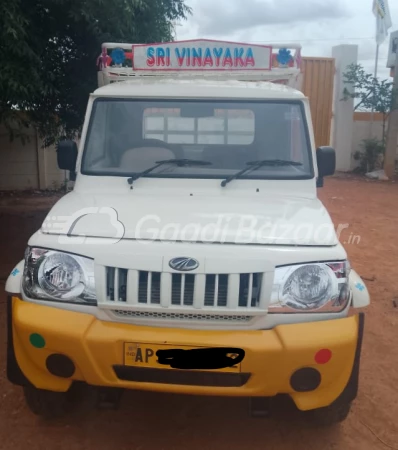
x=60 y=366
x=305 y=380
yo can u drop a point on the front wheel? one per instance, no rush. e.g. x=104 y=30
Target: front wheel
x=330 y=415
x=47 y=404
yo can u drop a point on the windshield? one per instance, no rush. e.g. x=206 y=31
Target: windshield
x=128 y=137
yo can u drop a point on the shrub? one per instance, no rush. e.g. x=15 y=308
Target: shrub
x=370 y=156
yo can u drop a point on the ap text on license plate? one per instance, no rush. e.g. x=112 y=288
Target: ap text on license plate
x=144 y=355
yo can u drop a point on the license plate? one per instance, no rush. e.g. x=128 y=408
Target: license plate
x=145 y=355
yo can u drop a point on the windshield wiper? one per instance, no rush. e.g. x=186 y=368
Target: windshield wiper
x=254 y=165
x=177 y=162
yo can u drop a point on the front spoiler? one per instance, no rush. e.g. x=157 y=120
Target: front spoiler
x=272 y=356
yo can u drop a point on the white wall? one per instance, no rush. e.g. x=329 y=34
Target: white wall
x=18 y=162
x=27 y=165
x=51 y=176
x=363 y=129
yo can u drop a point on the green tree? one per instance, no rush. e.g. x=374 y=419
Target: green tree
x=48 y=52
x=371 y=93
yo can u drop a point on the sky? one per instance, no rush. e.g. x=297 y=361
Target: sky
x=317 y=25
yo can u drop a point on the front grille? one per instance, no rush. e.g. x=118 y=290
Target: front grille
x=149 y=288
x=116 y=284
x=249 y=289
x=203 y=292
x=217 y=283
x=184 y=316
x=182 y=289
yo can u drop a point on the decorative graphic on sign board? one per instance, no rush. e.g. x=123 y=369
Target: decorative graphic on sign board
x=203 y=55
x=118 y=56
x=284 y=57
x=103 y=60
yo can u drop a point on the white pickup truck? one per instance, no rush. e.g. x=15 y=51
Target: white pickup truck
x=193 y=255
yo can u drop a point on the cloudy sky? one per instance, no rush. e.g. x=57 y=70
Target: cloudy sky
x=317 y=24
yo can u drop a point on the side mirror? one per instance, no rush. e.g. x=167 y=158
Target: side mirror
x=67 y=157
x=326 y=162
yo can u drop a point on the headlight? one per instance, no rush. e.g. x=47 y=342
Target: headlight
x=58 y=276
x=318 y=287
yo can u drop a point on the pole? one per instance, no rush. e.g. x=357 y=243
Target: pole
x=372 y=116
x=392 y=132
x=377 y=60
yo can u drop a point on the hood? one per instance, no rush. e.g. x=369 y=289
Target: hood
x=262 y=220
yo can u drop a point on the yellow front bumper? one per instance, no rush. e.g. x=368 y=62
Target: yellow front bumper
x=271 y=356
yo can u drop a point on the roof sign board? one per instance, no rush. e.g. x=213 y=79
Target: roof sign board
x=201 y=55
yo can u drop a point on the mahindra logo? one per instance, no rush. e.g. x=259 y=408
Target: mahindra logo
x=184 y=264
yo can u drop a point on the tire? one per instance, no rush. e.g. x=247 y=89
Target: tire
x=47 y=404
x=331 y=415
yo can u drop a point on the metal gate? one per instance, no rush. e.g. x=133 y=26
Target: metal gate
x=318 y=83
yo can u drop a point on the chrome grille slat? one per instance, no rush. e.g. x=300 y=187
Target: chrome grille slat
x=165 y=283
x=250 y=291
x=182 y=293
x=199 y=291
x=233 y=288
x=132 y=287
x=149 y=288
x=116 y=285
x=216 y=290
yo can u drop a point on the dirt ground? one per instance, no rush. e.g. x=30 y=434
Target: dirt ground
x=149 y=420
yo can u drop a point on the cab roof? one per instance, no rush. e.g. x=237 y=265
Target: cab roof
x=161 y=87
